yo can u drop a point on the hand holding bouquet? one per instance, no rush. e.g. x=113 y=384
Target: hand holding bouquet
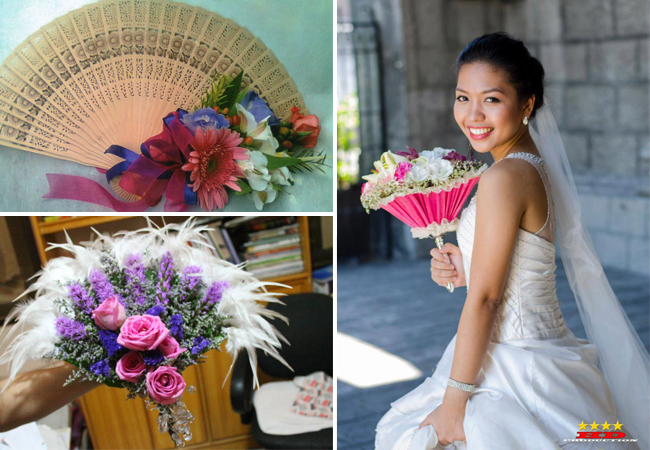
x=136 y=311
x=426 y=190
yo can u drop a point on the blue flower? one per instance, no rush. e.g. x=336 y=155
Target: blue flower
x=153 y=357
x=258 y=108
x=200 y=344
x=101 y=368
x=155 y=310
x=176 y=326
x=109 y=342
x=203 y=118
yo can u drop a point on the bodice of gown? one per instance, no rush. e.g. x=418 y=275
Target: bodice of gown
x=529 y=306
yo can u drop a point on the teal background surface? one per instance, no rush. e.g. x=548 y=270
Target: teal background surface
x=300 y=34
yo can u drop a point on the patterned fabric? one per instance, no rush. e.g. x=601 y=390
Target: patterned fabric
x=315 y=398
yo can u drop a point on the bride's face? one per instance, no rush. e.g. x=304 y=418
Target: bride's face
x=487 y=107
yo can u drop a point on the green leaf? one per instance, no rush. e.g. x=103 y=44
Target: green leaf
x=245 y=188
x=241 y=96
x=302 y=134
x=231 y=92
x=276 y=162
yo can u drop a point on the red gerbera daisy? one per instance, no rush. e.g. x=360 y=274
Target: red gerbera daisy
x=213 y=166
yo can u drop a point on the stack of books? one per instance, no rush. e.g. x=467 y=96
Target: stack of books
x=273 y=248
x=222 y=243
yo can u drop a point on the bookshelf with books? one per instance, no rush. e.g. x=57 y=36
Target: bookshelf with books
x=274 y=248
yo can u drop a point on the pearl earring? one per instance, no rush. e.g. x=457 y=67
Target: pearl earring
x=525 y=120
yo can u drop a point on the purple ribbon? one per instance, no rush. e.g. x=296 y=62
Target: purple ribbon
x=157 y=171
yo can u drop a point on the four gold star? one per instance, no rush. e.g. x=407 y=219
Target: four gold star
x=594 y=426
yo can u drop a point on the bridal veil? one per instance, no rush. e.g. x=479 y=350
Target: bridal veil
x=623 y=358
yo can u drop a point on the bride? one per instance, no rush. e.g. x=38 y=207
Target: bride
x=514 y=376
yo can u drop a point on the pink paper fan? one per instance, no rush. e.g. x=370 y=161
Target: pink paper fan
x=431 y=214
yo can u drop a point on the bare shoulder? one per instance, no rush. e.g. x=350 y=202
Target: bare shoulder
x=504 y=182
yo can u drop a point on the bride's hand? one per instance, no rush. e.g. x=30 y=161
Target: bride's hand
x=443 y=272
x=447 y=419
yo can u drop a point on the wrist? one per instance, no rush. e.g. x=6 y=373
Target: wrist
x=455 y=397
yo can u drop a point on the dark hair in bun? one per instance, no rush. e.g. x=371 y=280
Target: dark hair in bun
x=501 y=50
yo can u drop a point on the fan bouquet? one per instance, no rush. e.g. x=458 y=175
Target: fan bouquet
x=134 y=311
x=425 y=190
x=232 y=142
x=93 y=85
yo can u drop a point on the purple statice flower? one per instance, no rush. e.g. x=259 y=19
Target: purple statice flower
x=156 y=310
x=187 y=277
x=214 y=293
x=109 y=342
x=70 y=329
x=136 y=277
x=102 y=287
x=200 y=344
x=164 y=277
x=81 y=298
x=153 y=357
x=101 y=368
x=176 y=326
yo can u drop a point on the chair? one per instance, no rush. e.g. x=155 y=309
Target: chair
x=310 y=334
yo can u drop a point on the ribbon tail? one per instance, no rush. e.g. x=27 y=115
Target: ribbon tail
x=72 y=187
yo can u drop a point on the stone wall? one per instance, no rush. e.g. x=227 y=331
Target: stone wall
x=595 y=54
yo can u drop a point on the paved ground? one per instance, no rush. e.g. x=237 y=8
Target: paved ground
x=379 y=304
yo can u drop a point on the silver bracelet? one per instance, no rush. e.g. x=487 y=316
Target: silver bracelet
x=458 y=385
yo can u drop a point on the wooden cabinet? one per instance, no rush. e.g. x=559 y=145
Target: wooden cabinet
x=117 y=423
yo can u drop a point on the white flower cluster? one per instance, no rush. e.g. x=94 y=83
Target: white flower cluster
x=262 y=181
x=428 y=166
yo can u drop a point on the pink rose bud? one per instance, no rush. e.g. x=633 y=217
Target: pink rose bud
x=130 y=367
x=142 y=333
x=110 y=314
x=170 y=348
x=165 y=385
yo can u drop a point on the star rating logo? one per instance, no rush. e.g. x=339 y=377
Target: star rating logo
x=604 y=434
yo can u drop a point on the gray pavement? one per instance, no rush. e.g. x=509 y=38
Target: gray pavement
x=385 y=304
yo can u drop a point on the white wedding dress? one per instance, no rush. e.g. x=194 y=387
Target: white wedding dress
x=538 y=381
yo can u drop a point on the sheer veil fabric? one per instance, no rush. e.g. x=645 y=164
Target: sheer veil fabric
x=622 y=356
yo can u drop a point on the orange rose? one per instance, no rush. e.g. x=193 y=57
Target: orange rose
x=303 y=124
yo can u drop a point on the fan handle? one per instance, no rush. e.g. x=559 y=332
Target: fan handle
x=439 y=243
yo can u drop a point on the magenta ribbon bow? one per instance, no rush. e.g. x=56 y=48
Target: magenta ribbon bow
x=156 y=171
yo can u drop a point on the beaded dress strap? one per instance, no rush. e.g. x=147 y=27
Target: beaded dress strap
x=537 y=162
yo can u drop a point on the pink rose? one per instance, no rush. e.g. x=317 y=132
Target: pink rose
x=170 y=348
x=110 y=314
x=130 y=367
x=165 y=385
x=142 y=333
